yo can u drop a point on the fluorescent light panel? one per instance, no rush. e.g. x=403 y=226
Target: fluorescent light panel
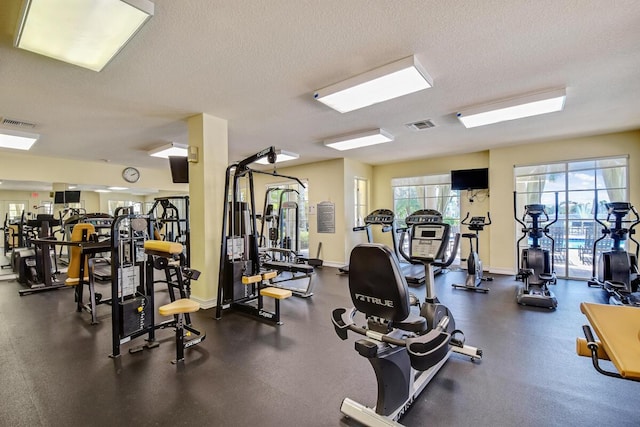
x=17 y=140
x=173 y=149
x=359 y=139
x=117 y=188
x=283 y=156
x=381 y=84
x=87 y=33
x=514 y=108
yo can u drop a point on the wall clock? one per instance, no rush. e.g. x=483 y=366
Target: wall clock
x=131 y=174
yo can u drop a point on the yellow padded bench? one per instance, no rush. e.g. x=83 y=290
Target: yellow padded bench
x=179 y=308
x=618 y=328
x=276 y=293
x=163 y=248
x=182 y=305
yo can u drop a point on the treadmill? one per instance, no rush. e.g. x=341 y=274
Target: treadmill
x=377 y=217
x=413 y=273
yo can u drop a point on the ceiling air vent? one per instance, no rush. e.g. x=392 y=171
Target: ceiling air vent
x=421 y=125
x=17 y=123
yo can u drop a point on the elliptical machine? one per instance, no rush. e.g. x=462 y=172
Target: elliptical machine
x=475 y=276
x=617 y=271
x=536 y=265
x=405 y=349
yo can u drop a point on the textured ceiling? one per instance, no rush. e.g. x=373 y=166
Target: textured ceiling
x=256 y=64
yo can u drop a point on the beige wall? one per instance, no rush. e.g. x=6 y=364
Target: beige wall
x=502 y=160
x=24 y=167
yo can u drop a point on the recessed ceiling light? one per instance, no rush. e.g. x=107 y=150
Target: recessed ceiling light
x=84 y=33
x=17 y=140
x=172 y=149
x=359 y=139
x=283 y=156
x=514 y=108
x=381 y=84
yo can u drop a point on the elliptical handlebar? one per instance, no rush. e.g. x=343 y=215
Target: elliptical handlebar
x=484 y=223
x=546 y=227
x=515 y=213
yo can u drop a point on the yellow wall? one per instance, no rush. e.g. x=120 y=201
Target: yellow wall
x=502 y=160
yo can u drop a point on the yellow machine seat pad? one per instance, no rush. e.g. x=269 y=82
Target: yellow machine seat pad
x=183 y=305
x=276 y=293
x=618 y=328
x=269 y=275
x=163 y=247
x=247 y=280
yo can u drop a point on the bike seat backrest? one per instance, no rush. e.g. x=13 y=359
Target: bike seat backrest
x=376 y=283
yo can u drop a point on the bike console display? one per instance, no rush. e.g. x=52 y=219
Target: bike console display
x=428 y=240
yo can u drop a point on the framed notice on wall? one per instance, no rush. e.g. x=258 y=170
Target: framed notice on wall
x=326 y=217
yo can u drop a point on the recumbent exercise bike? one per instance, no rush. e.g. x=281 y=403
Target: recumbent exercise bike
x=405 y=349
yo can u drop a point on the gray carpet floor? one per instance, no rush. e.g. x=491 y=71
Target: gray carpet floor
x=56 y=371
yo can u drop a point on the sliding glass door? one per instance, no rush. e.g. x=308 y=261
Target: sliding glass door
x=577 y=184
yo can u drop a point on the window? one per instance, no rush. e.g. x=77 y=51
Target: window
x=115 y=204
x=15 y=209
x=361 y=199
x=426 y=192
x=577 y=183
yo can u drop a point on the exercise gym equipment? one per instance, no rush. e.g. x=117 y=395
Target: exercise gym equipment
x=536 y=265
x=617 y=329
x=36 y=266
x=281 y=251
x=170 y=257
x=383 y=217
x=133 y=260
x=243 y=283
x=475 y=275
x=170 y=216
x=414 y=269
x=617 y=269
x=405 y=349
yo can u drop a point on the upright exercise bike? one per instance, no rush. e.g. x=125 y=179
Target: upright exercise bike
x=617 y=271
x=475 y=277
x=405 y=349
x=536 y=266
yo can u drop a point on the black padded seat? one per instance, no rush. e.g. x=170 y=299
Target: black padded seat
x=378 y=287
x=413 y=323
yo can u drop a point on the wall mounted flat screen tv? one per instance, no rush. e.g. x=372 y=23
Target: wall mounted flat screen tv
x=64 y=197
x=470 y=179
x=58 y=198
x=72 y=197
x=179 y=169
